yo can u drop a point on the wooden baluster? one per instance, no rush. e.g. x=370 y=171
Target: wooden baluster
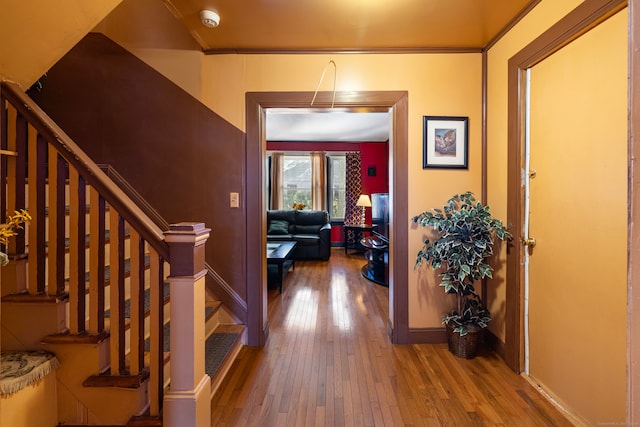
x=14 y=181
x=136 y=327
x=77 y=250
x=7 y=132
x=156 y=339
x=116 y=290
x=96 y=261
x=55 y=253
x=36 y=170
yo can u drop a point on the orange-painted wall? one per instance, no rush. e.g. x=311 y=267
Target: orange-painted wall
x=437 y=84
x=37 y=33
x=547 y=13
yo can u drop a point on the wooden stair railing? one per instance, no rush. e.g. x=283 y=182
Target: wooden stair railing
x=39 y=152
x=223 y=290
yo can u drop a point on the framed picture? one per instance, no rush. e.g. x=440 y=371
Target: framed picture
x=445 y=142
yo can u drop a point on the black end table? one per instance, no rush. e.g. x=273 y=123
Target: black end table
x=376 y=268
x=357 y=234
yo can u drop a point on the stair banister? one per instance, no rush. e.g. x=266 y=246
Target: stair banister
x=46 y=148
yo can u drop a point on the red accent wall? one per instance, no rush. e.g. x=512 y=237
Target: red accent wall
x=374 y=155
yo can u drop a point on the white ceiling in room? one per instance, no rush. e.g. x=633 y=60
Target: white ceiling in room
x=303 y=124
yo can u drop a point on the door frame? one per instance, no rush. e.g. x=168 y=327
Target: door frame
x=256 y=177
x=583 y=18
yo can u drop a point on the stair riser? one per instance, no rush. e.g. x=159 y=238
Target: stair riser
x=44 y=318
x=78 y=404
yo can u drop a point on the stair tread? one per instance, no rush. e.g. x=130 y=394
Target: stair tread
x=228 y=329
x=219 y=345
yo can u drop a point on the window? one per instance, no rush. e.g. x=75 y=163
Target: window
x=296 y=180
x=336 y=176
x=296 y=185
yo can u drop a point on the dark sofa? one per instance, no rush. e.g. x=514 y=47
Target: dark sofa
x=310 y=229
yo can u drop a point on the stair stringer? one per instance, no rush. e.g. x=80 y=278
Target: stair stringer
x=78 y=404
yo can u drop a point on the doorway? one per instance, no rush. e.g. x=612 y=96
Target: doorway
x=576 y=116
x=576 y=23
x=553 y=178
x=256 y=104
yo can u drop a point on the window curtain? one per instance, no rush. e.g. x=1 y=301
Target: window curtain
x=276 y=180
x=318 y=181
x=353 y=183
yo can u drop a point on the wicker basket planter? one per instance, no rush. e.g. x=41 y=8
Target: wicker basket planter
x=464 y=346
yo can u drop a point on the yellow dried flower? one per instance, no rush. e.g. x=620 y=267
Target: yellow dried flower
x=9 y=229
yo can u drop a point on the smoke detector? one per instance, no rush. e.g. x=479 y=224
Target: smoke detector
x=209 y=18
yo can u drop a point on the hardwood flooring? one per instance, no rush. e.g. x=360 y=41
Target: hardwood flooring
x=329 y=362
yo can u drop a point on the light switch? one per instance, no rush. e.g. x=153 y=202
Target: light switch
x=234 y=200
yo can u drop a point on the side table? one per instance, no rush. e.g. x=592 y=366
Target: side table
x=353 y=234
x=376 y=268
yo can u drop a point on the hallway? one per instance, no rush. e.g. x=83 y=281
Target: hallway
x=328 y=361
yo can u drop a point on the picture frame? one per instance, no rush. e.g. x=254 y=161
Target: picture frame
x=445 y=142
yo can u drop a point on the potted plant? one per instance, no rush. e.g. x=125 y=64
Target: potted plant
x=466 y=237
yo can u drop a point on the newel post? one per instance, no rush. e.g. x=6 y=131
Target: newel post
x=187 y=402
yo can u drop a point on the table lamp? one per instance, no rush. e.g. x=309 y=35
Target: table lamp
x=365 y=202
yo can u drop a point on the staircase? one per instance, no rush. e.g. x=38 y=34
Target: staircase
x=120 y=300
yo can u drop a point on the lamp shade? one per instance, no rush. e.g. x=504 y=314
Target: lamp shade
x=364 y=200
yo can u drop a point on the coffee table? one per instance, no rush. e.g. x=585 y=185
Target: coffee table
x=281 y=255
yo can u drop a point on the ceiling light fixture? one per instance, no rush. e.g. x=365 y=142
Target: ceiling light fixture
x=209 y=18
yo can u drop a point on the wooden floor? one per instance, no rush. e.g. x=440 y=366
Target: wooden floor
x=329 y=362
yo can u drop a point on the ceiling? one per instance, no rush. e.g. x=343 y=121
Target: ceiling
x=327 y=26
x=303 y=124
x=347 y=25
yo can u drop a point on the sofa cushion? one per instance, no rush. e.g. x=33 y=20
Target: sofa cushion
x=307 y=239
x=311 y=217
x=308 y=229
x=285 y=214
x=278 y=226
x=280 y=238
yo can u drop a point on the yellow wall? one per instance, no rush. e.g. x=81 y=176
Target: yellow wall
x=35 y=34
x=444 y=84
x=149 y=30
x=543 y=16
